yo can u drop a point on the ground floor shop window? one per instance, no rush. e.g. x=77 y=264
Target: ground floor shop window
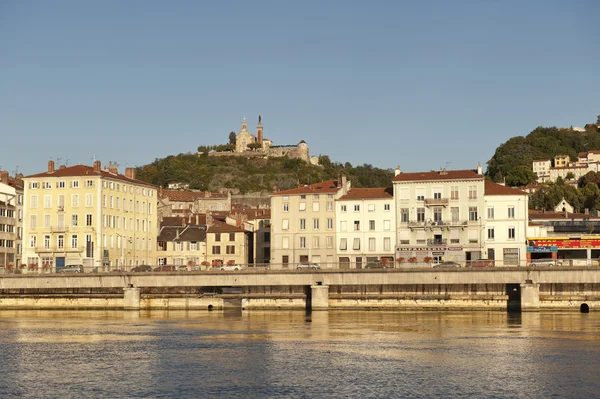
x=511 y=256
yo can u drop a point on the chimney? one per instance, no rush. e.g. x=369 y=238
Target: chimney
x=97 y=166
x=4 y=177
x=344 y=184
x=160 y=191
x=479 y=169
x=397 y=171
x=130 y=173
x=177 y=235
x=197 y=219
x=50 y=166
x=112 y=168
x=587 y=211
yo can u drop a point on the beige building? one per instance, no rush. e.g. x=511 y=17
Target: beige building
x=90 y=216
x=181 y=242
x=226 y=244
x=541 y=168
x=257 y=224
x=366 y=227
x=303 y=224
x=182 y=203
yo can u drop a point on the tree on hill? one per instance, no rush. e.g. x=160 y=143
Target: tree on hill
x=549 y=196
x=520 y=176
x=589 y=177
x=232 y=138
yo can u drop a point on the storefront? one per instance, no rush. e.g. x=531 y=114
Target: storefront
x=578 y=249
x=433 y=254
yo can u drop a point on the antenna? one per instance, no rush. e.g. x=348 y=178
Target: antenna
x=93 y=157
x=67 y=162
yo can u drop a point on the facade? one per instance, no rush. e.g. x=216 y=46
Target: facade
x=586 y=162
x=257 y=224
x=506 y=221
x=541 y=168
x=226 y=244
x=365 y=220
x=181 y=243
x=90 y=216
x=303 y=224
x=560 y=161
x=8 y=223
x=182 y=203
x=439 y=215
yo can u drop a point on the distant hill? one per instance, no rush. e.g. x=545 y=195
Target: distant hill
x=255 y=174
x=512 y=160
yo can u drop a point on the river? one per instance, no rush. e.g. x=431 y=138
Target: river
x=345 y=354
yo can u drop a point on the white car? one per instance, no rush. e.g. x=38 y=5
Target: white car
x=306 y=265
x=542 y=262
x=231 y=268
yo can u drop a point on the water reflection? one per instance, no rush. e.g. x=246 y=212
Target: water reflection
x=236 y=353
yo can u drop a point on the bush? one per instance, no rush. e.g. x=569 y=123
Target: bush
x=230 y=262
x=400 y=260
x=428 y=259
x=384 y=261
x=412 y=259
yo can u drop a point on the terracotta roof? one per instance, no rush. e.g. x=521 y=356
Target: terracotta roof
x=16 y=183
x=492 y=188
x=189 y=196
x=467 y=174
x=329 y=186
x=582 y=155
x=183 y=220
x=84 y=170
x=253 y=213
x=552 y=215
x=368 y=193
x=594 y=152
x=220 y=227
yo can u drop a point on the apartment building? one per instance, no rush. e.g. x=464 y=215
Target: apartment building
x=257 y=224
x=541 y=168
x=366 y=219
x=506 y=223
x=226 y=243
x=303 y=224
x=439 y=215
x=181 y=242
x=10 y=225
x=180 y=202
x=89 y=215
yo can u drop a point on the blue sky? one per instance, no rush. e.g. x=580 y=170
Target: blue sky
x=420 y=84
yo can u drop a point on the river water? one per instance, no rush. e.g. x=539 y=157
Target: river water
x=194 y=354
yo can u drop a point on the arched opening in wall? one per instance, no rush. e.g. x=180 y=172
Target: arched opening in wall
x=564 y=209
x=210 y=307
x=584 y=308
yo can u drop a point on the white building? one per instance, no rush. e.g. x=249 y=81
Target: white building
x=541 y=168
x=366 y=220
x=506 y=221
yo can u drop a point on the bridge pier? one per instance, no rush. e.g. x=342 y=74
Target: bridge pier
x=131 y=298
x=319 y=297
x=530 y=296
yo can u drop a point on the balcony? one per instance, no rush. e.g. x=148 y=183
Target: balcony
x=57 y=249
x=436 y=201
x=437 y=241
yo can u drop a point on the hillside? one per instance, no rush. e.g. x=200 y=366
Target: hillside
x=255 y=174
x=512 y=160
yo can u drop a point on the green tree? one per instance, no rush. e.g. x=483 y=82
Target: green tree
x=590 y=177
x=520 y=176
x=254 y=146
x=570 y=176
x=232 y=137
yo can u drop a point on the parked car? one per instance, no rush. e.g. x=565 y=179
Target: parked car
x=165 y=268
x=444 y=265
x=142 y=268
x=71 y=269
x=229 y=268
x=307 y=265
x=182 y=269
x=481 y=263
x=376 y=265
x=542 y=262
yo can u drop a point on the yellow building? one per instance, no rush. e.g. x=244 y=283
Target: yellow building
x=182 y=242
x=226 y=244
x=90 y=216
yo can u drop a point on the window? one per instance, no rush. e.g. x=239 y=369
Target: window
x=286 y=207
x=472 y=192
x=231 y=236
x=75 y=200
x=302 y=206
x=302 y=224
x=511 y=233
x=511 y=212
x=387 y=225
x=437 y=214
x=302 y=196
x=315 y=242
x=35 y=185
x=47 y=222
x=34 y=202
x=285 y=242
x=343 y=225
x=60 y=242
x=216 y=250
x=89 y=183
x=329 y=241
x=343 y=244
x=315 y=224
x=404 y=194
x=33 y=221
x=217 y=237
x=386 y=207
x=74 y=220
x=372 y=244
x=89 y=200
x=302 y=242
x=230 y=249
x=315 y=207
x=371 y=225
x=356 y=208
x=356 y=225
x=454 y=192
x=329 y=206
x=329 y=223
x=490 y=234
x=47 y=201
x=47 y=184
x=285 y=260
x=61 y=221
x=387 y=244
x=420 y=214
x=454 y=214
x=46 y=242
x=32 y=241
x=437 y=195
x=371 y=208
x=61 y=184
x=285 y=224
x=490 y=213
x=356 y=244
x=74 y=241
x=473 y=213
x=61 y=202
x=404 y=215
x=343 y=208
x=420 y=197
